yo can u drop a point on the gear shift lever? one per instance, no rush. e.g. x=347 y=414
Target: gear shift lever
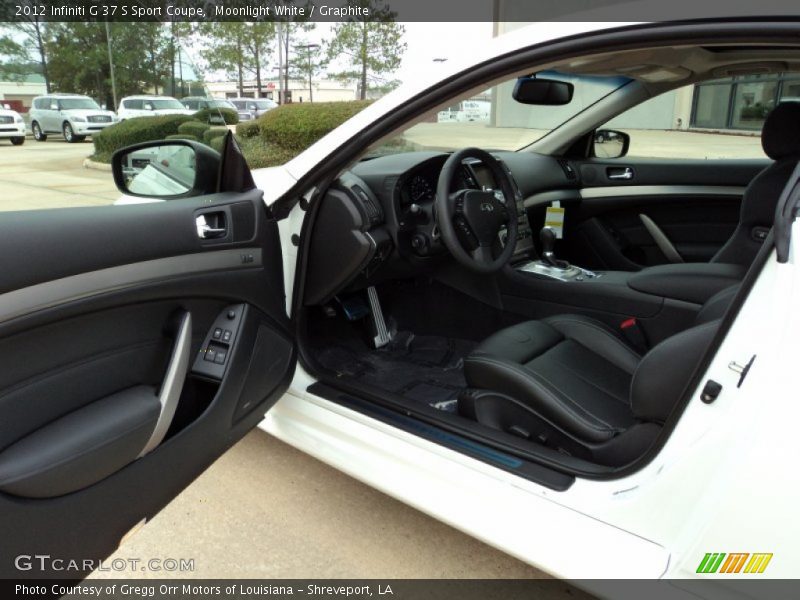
x=548 y=239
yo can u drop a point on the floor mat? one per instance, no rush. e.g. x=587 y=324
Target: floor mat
x=426 y=369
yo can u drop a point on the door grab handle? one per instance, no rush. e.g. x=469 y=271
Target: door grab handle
x=624 y=174
x=205 y=231
x=661 y=240
x=171 y=387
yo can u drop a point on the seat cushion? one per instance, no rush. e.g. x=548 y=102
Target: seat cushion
x=572 y=371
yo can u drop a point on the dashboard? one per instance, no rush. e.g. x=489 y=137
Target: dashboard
x=380 y=216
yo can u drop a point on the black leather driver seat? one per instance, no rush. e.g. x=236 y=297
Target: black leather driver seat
x=572 y=383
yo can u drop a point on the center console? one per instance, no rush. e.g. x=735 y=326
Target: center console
x=549 y=266
x=659 y=301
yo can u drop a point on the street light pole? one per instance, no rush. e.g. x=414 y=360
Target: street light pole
x=111 y=66
x=309 y=48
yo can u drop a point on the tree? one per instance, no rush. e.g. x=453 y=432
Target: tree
x=140 y=54
x=307 y=63
x=32 y=31
x=13 y=60
x=238 y=48
x=372 y=47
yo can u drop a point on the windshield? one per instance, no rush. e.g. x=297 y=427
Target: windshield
x=496 y=121
x=220 y=104
x=164 y=103
x=263 y=104
x=73 y=103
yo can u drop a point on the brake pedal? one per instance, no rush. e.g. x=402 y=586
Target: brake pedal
x=382 y=334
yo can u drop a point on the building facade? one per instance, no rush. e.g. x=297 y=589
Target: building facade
x=324 y=90
x=20 y=94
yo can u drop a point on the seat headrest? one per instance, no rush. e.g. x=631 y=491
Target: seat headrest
x=780 y=136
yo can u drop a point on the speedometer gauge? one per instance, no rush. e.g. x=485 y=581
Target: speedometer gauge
x=420 y=190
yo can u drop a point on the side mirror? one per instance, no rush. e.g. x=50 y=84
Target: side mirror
x=166 y=169
x=610 y=143
x=544 y=92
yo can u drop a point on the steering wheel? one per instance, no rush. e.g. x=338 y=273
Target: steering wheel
x=470 y=220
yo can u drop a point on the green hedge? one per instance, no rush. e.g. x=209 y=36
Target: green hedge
x=294 y=127
x=231 y=116
x=216 y=143
x=212 y=133
x=248 y=129
x=182 y=136
x=194 y=128
x=134 y=131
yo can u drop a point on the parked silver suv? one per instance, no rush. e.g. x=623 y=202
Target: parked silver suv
x=71 y=115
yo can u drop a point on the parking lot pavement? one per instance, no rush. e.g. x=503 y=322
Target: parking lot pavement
x=51 y=175
x=266 y=510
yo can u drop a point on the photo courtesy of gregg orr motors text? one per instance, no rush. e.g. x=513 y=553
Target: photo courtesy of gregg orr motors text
x=183 y=589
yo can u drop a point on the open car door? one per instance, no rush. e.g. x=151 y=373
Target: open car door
x=140 y=342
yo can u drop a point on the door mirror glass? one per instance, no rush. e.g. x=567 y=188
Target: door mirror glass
x=543 y=92
x=610 y=143
x=161 y=171
x=166 y=169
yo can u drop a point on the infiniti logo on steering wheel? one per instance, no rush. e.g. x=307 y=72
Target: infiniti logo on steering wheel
x=487 y=207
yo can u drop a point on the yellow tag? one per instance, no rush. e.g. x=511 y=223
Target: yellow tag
x=554 y=218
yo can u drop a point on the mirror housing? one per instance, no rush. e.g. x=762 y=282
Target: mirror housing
x=166 y=169
x=543 y=92
x=610 y=143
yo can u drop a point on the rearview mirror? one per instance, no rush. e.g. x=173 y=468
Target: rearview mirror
x=610 y=143
x=545 y=92
x=166 y=169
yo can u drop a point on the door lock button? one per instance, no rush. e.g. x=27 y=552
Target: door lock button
x=226 y=335
x=217 y=333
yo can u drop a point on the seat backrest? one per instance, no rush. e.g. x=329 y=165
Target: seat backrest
x=780 y=139
x=662 y=375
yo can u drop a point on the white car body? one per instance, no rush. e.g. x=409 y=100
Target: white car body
x=719 y=465
x=12 y=125
x=724 y=481
x=148 y=106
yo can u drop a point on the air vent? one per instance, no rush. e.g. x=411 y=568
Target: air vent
x=374 y=213
x=568 y=170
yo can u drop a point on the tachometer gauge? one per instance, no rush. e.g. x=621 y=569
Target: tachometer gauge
x=420 y=190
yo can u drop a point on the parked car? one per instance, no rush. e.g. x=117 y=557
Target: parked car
x=252 y=108
x=150 y=106
x=196 y=103
x=72 y=115
x=411 y=318
x=12 y=126
x=465 y=111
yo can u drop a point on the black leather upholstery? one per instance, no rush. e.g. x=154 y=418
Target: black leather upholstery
x=82 y=447
x=573 y=371
x=577 y=375
x=691 y=282
x=780 y=139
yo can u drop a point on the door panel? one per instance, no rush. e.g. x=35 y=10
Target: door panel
x=136 y=354
x=684 y=207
